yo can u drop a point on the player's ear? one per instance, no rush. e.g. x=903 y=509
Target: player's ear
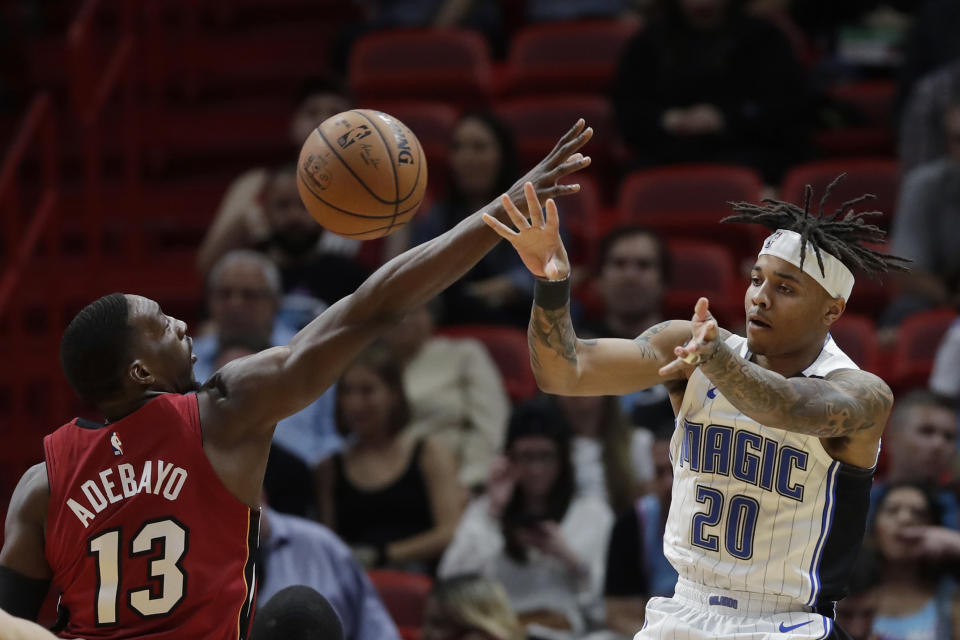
x=835 y=309
x=139 y=373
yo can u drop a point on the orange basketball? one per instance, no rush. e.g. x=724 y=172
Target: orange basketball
x=362 y=174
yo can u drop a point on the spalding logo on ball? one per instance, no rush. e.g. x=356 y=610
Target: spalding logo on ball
x=362 y=174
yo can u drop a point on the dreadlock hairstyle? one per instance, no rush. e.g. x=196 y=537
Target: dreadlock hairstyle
x=839 y=234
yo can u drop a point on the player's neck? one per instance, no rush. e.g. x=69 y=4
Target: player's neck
x=115 y=410
x=790 y=364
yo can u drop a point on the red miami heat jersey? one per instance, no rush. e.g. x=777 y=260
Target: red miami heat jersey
x=143 y=538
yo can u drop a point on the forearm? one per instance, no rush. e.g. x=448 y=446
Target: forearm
x=426 y=546
x=802 y=405
x=553 y=349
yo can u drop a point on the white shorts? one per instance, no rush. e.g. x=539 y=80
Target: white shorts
x=696 y=612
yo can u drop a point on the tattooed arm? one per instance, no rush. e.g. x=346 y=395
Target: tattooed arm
x=847 y=409
x=564 y=364
x=844 y=403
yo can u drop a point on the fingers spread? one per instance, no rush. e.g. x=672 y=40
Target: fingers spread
x=553 y=220
x=533 y=205
x=513 y=213
x=574 y=131
x=502 y=230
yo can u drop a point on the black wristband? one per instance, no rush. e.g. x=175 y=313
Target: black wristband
x=551 y=294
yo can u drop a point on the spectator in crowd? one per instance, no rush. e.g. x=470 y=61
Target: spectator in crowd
x=482 y=163
x=297 y=613
x=636 y=567
x=296 y=551
x=916 y=600
x=394 y=500
x=310 y=266
x=931 y=43
x=243 y=297
x=470 y=607
x=240 y=220
x=455 y=392
x=945 y=378
x=856 y=612
x=287 y=477
x=611 y=459
x=921 y=439
x=924 y=230
x=533 y=533
x=922 y=122
x=633 y=273
x=707 y=83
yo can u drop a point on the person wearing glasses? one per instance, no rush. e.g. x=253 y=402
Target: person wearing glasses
x=531 y=532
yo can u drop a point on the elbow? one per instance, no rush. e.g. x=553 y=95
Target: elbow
x=554 y=383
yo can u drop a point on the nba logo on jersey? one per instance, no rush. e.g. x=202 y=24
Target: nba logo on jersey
x=116 y=444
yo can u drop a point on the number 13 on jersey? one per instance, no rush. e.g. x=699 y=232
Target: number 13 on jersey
x=167 y=540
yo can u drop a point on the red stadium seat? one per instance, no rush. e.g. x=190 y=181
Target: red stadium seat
x=538 y=122
x=508 y=348
x=403 y=594
x=857 y=336
x=563 y=57
x=689 y=201
x=432 y=123
x=704 y=269
x=873 y=102
x=918 y=337
x=452 y=65
x=879 y=176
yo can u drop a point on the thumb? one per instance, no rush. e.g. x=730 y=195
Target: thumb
x=702 y=309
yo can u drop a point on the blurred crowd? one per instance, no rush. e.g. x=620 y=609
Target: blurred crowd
x=542 y=517
x=419 y=460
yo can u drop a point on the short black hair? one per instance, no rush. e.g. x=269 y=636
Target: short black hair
x=95 y=348
x=297 y=613
x=665 y=262
x=839 y=234
x=919 y=398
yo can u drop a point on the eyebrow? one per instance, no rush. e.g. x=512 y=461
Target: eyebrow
x=780 y=274
x=786 y=276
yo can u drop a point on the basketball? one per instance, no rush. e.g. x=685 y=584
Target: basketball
x=362 y=174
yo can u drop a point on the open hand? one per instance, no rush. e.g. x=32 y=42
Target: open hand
x=537 y=240
x=563 y=160
x=701 y=345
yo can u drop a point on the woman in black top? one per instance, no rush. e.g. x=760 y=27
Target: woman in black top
x=394 y=500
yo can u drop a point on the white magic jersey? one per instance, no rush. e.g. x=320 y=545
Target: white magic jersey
x=757 y=509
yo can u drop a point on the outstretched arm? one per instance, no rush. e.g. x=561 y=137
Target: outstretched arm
x=847 y=403
x=252 y=393
x=562 y=363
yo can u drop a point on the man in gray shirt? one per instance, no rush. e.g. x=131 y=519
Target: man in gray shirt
x=925 y=229
x=296 y=551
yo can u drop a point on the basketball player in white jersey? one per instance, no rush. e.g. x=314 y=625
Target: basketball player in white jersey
x=777 y=434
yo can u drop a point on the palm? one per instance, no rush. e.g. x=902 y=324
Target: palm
x=536 y=240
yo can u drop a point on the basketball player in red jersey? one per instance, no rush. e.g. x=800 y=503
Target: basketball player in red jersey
x=148 y=523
